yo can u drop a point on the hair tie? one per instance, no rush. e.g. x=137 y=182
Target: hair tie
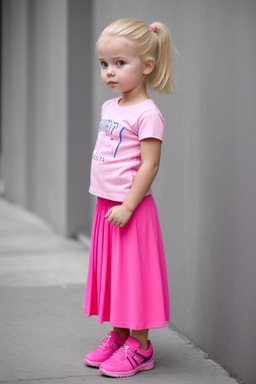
x=152 y=27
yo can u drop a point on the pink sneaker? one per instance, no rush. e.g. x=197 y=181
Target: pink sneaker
x=106 y=349
x=128 y=360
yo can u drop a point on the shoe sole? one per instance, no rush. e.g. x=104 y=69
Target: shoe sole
x=144 y=367
x=92 y=363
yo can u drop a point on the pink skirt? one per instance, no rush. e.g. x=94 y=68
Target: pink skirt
x=127 y=279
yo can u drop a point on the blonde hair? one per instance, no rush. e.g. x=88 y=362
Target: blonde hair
x=148 y=42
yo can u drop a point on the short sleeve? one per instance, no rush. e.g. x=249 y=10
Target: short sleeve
x=104 y=106
x=151 y=125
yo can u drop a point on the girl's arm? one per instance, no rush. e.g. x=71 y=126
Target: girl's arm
x=150 y=156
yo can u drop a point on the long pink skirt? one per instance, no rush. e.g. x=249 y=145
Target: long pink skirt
x=127 y=279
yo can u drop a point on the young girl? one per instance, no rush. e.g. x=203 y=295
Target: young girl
x=127 y=280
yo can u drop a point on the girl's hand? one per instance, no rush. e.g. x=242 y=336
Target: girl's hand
x=118 y=215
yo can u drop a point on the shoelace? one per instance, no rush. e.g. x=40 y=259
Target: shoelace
x=106 y=342
x=124 y=352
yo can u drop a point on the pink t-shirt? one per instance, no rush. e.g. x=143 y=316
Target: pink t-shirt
x=116 y=157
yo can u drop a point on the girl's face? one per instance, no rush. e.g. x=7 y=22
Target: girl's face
x=121 y=70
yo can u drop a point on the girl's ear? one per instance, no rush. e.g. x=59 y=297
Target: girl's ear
x=149 y=64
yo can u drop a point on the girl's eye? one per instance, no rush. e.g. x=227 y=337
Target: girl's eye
x=120 y=63
x=103 y=64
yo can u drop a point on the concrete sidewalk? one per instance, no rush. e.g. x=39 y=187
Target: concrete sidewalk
x=43 y=331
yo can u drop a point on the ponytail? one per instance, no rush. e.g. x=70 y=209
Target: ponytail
x=161 y=78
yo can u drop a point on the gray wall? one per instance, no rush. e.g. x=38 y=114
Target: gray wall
x=206 y=187
x=46 y=109
x=14 y=98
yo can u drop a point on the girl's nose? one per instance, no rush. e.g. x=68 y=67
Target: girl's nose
x=110 y=71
